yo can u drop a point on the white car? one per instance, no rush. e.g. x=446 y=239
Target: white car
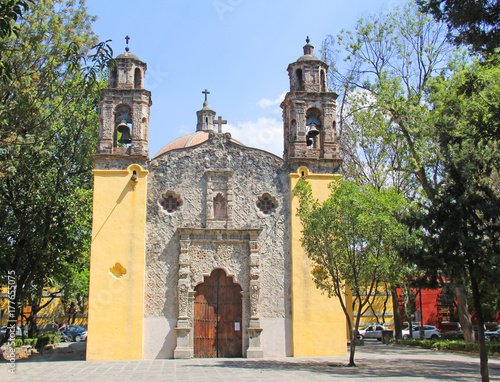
x=493 y=334
x=430 y=332
x=372 y=331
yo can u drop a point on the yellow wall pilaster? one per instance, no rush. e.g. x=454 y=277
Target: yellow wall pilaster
x=318 y=322
x=117 y=265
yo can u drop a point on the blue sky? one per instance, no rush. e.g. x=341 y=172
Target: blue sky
x=237 y=49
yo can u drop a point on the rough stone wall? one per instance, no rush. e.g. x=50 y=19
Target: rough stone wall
x=183 y=171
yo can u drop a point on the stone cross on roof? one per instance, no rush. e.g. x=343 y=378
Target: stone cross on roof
x=126 y=39
x=205 y=92
x=220 y=122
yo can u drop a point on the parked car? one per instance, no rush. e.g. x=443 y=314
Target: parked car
x=73 y=333
x=372 y=331
x=493 y=335
x=430 y=332
x=5 y=330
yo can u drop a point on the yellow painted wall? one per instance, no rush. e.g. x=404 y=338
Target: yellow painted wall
x=117 y=266
x=318 y=322
x=384 y=318
x=52 y=314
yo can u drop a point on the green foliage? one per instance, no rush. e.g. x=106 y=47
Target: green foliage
x=350 y=239
x=347 y=236
x=460 y=226
x=453 y=345
x=386 y=137
x=475 y=23
x=17 y=343
x=30 y=341
x=48 y=131
x=48 y=339
x=10 y=12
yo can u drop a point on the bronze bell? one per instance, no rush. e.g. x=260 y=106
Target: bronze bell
x=313 y=131
x=125 y=131
x=309 y=141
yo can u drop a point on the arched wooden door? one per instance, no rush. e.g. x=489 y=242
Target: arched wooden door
x=217 y=317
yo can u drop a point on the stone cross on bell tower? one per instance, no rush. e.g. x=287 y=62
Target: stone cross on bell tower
x=205 y=116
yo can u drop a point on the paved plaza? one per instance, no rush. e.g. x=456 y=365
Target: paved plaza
x=376 y=362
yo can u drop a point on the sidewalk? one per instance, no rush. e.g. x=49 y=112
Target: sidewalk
x=376 y=362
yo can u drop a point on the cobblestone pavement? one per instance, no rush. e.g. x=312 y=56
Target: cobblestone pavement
x=376 y=362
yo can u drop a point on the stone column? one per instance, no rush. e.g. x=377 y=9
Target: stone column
x=254 y=329
x=183 y=330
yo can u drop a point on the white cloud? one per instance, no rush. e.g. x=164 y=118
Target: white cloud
x=266 y=103
x=265 y=134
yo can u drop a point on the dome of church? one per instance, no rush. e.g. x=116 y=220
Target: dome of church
x=189 y=140
x=128 y=55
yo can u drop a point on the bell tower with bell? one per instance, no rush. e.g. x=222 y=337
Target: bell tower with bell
x=309 y=116
x=117 y=266
x=311 y=151
x=124 y=113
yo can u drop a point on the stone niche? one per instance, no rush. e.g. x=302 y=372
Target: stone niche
x=219 y=202
x=236 y=251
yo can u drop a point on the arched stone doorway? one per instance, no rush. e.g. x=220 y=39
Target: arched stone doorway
x=218 y=317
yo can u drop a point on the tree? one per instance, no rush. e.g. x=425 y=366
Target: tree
x=350 y=239
x=48 y=131
x=471 y=22
x=384 y=87
x=460 y=227
x=10 y=12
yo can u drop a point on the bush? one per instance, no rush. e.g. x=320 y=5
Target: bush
x=457 y=345
x=17 y=343
x=48 y=339
x=31 y=341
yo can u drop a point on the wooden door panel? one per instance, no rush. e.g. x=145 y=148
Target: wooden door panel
x=205 y=321
x=217 y=317
x=230 y=339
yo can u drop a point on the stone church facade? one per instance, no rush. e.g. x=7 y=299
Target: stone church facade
x=196 y=252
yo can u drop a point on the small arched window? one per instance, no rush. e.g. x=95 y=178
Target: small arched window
x=113 y=78
x=138 y=78
x=300 y=80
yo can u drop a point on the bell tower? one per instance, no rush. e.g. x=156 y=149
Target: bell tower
x=311 y=151
x=124 y=114
x=117 y=266
x=309 y=116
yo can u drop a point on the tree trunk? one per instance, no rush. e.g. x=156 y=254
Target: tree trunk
x=463 y=311
x=397 y=318
x=483 y=351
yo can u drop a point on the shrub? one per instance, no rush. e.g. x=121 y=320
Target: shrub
x=17 y=343
x=48 y=339
x=30 y=341
x=456 y=345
